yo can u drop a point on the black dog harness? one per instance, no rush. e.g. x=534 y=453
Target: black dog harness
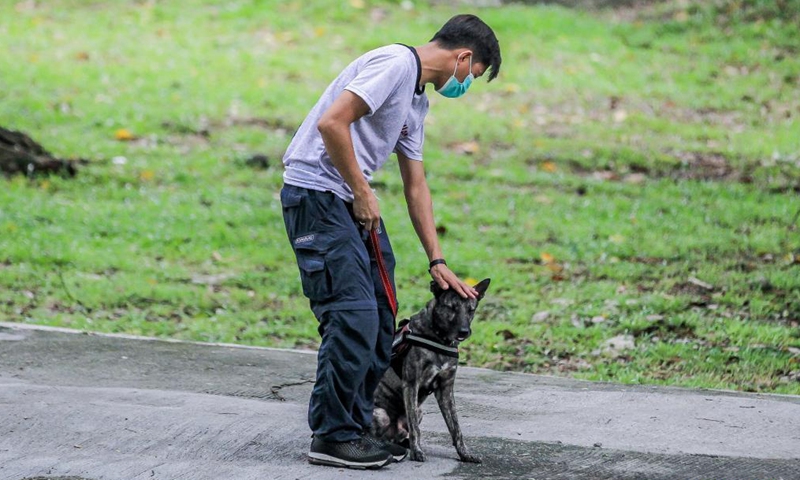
x=404 y=339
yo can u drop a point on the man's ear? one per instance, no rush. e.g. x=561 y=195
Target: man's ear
x=482 y=287
x=436 y=289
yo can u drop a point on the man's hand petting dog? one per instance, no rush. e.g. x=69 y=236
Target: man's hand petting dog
x=446 y=279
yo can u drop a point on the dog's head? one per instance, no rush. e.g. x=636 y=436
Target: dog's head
x=452 y=314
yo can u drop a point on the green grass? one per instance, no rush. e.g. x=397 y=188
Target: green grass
x=618 y=156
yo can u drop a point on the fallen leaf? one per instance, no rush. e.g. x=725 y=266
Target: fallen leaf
x=146 y=175
x=124 y=135
x=546 y=257
x=467 y=148
x=555 y=267
x=549 y=167
x=216 y=256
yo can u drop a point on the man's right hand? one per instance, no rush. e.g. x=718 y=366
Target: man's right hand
x=366 y=210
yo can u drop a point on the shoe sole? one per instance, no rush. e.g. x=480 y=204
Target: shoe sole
x=399 y=458
x=327 y=460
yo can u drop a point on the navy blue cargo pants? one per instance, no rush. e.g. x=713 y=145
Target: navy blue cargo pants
x=340 y=277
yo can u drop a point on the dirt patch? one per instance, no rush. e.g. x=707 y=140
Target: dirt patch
x=20 y=154
x=275 y=125
x=662 y=328
x=706 y=166
x=692 y=287
x=686 y=165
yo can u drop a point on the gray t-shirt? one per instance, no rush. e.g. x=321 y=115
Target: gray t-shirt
x=386 y=79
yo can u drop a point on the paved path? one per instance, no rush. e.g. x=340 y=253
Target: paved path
x=98 y=407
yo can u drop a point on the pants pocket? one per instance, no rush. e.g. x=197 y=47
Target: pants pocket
x=316 y=285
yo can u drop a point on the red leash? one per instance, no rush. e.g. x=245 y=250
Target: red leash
x=387 y=284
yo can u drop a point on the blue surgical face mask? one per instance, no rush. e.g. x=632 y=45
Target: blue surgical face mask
x=453 y=88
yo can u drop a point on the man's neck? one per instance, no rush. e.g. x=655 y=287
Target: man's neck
x=436 y=64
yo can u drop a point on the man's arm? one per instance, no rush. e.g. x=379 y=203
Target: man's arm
x=420 y=209
x=334 y=126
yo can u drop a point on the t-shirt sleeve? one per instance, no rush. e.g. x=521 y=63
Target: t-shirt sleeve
x=378 y=79
x=411 y=144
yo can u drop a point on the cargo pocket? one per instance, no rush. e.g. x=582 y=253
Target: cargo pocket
x=290 y=198
x=313 y=274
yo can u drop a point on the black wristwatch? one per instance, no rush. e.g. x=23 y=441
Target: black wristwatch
x=434 y=262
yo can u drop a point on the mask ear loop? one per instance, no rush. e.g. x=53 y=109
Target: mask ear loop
x=455 y=70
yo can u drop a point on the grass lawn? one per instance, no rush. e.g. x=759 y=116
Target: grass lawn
x=629 y=182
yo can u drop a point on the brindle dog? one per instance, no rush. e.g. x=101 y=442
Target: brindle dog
x=446 y=319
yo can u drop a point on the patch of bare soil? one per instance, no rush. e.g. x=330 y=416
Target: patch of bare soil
x=687 y=165
x=706 y=166
x=20 y=154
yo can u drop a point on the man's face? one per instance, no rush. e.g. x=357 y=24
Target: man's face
x=463 y=62
x=464 y=65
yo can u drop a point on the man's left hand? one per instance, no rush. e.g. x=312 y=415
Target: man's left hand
x=447 y=279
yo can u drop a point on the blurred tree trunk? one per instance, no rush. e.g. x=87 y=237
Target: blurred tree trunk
x=20 y=154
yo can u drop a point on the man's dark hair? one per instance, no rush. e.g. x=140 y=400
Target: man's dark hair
x=469 y=31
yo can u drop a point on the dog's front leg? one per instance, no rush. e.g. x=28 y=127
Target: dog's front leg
x=447 y=404
x=410 y=396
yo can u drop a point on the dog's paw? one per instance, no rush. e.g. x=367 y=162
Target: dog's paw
x=416 y=455
x=470 y=458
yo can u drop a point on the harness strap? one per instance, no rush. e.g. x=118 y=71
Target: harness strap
x=432 y=345
x=404 y=339
x=387 y=283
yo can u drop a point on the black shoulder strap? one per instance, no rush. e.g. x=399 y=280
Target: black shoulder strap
x=417 y=89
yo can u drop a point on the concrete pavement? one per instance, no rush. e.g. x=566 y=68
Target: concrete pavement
x=106 y=407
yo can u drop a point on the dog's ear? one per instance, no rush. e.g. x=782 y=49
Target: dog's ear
x=482 y=286
x=436 y=289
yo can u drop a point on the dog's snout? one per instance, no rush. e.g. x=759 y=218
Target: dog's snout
x=464 y=333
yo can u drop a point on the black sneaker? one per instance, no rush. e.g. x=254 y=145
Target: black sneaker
x=353 y=454
x=398 y=452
